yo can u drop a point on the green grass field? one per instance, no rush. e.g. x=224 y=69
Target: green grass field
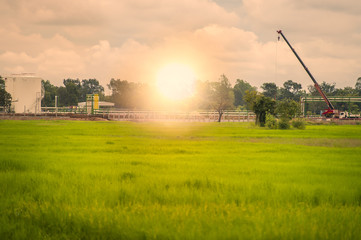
x=121 y=180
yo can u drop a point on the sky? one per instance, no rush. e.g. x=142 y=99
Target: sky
x=133 y=39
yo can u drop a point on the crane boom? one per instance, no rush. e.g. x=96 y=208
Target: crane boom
x=331 y=109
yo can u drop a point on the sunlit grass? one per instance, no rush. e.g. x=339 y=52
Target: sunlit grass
x=63 y=179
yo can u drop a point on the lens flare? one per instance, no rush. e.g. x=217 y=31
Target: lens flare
x=176 y=81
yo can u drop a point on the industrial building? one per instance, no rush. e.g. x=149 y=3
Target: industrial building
x=25 y=90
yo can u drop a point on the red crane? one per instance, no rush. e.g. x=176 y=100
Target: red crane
x=331 y=111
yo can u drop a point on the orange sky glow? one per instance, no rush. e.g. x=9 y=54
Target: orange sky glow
x=134 y=39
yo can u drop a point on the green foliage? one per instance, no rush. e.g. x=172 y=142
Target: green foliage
x=239 y=90
x=331 y=90
x=5 y=97
x=71 y=93
x=2 y=83
x=5 y=100
x=270 y=90
x=284 y=123
x=288 y=109
x=346 y=91
x=50 y=91
x=271 y=121
x=129 y=94
x=221 y=96
x=90 y=86
x=209 y=95
x=260 y=105
x=327 y=88
x=291 y=90
x=299 y=123
x=62 y=96
x=122 y=180
x=358 y=86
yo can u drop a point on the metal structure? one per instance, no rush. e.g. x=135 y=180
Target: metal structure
x=92 y=103
x=144 y=116
x=26 y=92
x=331 y=111
x=201 y=116
x=336 y=99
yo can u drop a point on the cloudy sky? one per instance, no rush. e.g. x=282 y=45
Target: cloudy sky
x=132 y=39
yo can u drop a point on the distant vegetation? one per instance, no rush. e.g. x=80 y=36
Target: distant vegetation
x=5 y=97
x=121 y=180
x=73 y=92
x=218 y=96
x=141 y=96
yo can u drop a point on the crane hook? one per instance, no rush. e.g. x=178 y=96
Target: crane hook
x=279 y=32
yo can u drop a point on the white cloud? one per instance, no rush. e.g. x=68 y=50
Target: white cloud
x=132 y=39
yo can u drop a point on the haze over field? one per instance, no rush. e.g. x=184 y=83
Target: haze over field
x=134 y=39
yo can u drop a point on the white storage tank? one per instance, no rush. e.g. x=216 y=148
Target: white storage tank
x=25 y=90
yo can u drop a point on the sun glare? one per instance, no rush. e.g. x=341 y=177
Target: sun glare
x=176 y=81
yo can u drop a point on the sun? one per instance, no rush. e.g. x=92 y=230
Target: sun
x=176 y=81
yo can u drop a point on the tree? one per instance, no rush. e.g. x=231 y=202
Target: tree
x=73 y=90
x=291 y=90
x=221 y=96
x=62 y=96
x=358 y=90
x=50 y=92
x=260 y=105
x=331 y=90
x=347 y=91
x=328 y=89
x=358 y=85
x=90 y=86
x=5 y=97
x=239 y=90
x=270 y=90
x=125 y=94
x=71 y=93
x=288 y=109
x=317 y=107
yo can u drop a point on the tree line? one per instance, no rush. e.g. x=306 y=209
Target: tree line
x=283 y=102
x=217 y=95
x=73 y=92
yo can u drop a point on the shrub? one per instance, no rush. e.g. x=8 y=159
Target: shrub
x=284 y=124
x=271 y=121
x=287 y=108
x=299 y=123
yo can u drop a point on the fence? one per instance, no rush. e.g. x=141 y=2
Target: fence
x=202 y=116
x=125 y=115
x=45 y=110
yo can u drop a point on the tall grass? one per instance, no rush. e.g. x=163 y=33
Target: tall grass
x=119 y=180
